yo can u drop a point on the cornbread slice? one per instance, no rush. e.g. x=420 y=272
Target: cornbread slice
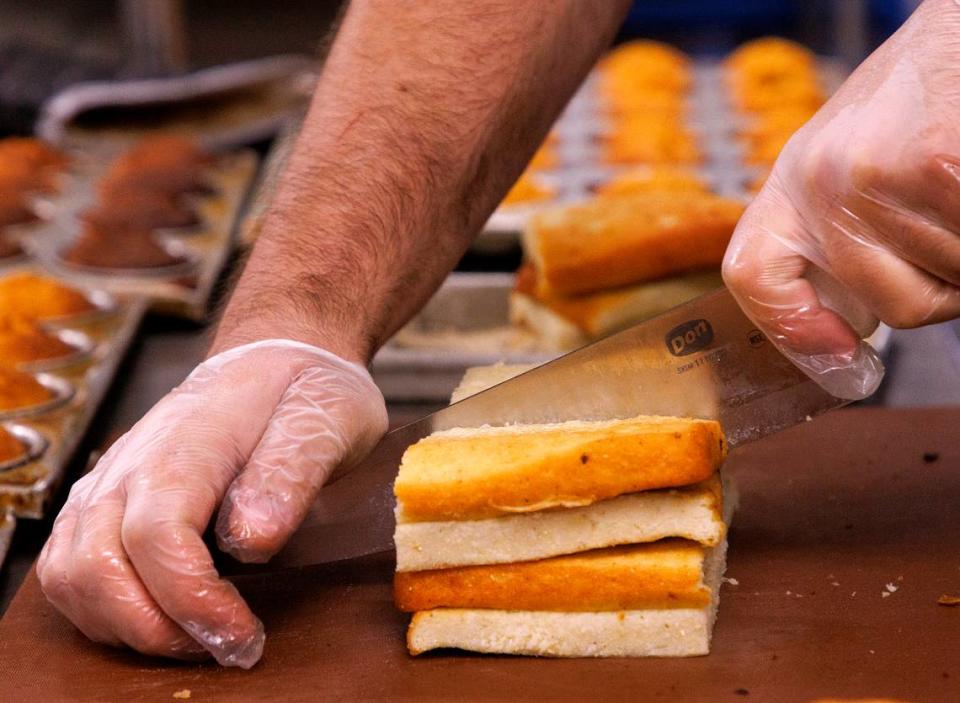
x=664 y=574
x=566 y=322
x=648 y=632
x=471 y=474
x=617 y=241
x=692 y=512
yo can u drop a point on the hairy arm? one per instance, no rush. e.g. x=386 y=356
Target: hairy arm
x=424 y=115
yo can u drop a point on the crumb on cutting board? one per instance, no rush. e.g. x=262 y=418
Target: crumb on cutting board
x=948 y=600
x=182 y=695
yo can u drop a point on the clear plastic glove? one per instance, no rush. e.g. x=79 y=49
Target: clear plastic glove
x=860 y=218
x=255 y=430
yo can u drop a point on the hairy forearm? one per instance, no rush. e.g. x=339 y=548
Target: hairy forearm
x=424 y=115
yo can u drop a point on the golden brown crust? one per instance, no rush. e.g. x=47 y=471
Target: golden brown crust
x=473 y=476
x=592 y=313
x=664 y=574
x=614 y=242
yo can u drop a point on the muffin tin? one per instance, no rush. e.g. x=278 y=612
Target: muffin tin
x=581 y=168
x=183 y=289
x=51 y=431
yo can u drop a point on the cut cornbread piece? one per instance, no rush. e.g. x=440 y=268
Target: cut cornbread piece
x=471 y=474
x=565 y=322
x=617 y=241
x=691 y=512
x=647 y=632
x=480 y=378
x=663 y=574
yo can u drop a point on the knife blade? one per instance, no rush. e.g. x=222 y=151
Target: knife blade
x=703 y=359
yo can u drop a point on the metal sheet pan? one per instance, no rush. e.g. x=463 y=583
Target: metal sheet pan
x=27 y=488
x=182 y=293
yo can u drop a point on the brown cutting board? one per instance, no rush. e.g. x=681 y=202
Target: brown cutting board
x=831 y=512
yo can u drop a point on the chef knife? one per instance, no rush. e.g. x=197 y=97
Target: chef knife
x=703 y=359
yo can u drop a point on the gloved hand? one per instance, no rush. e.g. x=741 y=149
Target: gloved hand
x=256 y=430
x=862 y=211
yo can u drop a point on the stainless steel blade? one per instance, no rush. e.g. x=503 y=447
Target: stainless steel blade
x=703 y=359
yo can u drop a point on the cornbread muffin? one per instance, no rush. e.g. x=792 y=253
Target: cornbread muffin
x=769 y=58
x=653 y=178
x=21 y=390
x=650 y=140
x=33 y=152
x=142 y=209
x=164 y=163
x=645 y=65
x=11 y=448
x=23 y=177
x=118 y=247
x=37 y=297
x=23 y=341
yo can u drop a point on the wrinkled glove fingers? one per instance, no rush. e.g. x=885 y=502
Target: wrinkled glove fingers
x=326 y=417
x=167 y=511
x=86 y=574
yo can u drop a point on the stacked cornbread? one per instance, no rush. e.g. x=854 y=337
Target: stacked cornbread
x=572 y=540
x=597 y=267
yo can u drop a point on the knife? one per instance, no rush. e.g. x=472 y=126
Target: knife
x=703 y=359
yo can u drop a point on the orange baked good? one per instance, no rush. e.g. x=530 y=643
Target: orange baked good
x=143 y=209
x=458 y=474
x=14 y=209
x=768 y=59
x=166 y=163
x=653 y=178
x=667 y=573
x=616 y=241
x=31 y=151
x=11 y=448
x=23 y=341
x=645 y=65
x=37 y=297
x=24 y=178
x=102 y=245
x=800 y=92
x=650 y=140
x=21 y=390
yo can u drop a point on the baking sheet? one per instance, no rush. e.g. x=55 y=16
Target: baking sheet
x=28 y=488
x=830 y=513
x=223 y=106
x=465 y=324
x=184 y=292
